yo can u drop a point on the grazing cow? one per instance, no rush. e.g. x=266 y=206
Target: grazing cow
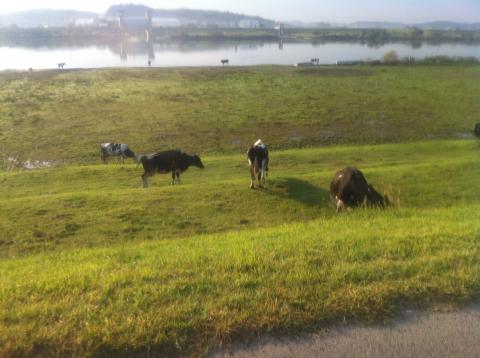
x=116 y=150
x=476 y=130
x=61 y=65
x=350 y=189
x=225 y=61
x=257 y=156
x=171 y=161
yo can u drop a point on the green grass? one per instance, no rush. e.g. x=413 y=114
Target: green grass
x=94 y=265
x=63 y=116
x=91 y=264
x=88 y=205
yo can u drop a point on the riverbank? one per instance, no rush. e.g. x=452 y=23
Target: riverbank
x=373 y=37
x=220 y=110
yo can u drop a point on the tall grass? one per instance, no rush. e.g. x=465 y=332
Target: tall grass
x=64 y=116
x=184 y=296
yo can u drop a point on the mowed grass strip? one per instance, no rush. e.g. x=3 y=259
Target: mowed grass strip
x=64 y=116
x=78 y=206
x=186 y=296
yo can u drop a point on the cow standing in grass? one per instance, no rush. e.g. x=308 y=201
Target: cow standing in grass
x=115 y=150
x=349 y=189
x=476 y=130
x=257 y=156
x=171 y=161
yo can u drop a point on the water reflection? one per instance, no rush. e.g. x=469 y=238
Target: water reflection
x=142 y=51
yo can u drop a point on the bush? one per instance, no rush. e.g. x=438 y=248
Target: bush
x=390 y=57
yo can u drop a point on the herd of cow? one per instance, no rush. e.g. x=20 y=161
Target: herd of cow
x=348 y=188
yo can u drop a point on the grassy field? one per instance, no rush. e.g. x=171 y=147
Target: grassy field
x=88 y=205
x=91 y=264
x=94 y=265
x=63 y=116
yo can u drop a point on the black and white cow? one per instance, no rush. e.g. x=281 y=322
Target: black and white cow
x=257 y=156
x=171 y=161
x=115 y=150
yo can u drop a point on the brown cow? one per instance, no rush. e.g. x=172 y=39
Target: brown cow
x=173 y=161
x=349 y=189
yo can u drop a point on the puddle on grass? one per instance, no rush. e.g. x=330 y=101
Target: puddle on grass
x=14 y=163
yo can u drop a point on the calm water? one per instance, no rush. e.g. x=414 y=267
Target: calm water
x=135 y=54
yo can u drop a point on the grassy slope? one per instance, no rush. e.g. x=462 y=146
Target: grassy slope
x=103 y=204
x=65 y=115
x=91 y=263
x=309 y=269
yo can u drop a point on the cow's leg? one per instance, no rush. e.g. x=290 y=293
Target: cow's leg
x=177 y=173
x=145 y=179
x=173 y=176
x=252 y=176
x=262 y=173
x=339 y=204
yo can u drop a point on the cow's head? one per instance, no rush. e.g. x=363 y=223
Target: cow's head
x=197 y=162
x=374 y=198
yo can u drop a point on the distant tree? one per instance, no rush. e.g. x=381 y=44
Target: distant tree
x=390 y=57
x=415 y=32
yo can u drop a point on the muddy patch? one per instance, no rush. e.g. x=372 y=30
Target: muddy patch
x=11 y=163
x=335 y=72
x=464 y=135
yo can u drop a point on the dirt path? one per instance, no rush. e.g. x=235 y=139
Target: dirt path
x=453 y=334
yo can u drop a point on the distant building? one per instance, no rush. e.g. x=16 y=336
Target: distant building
x=249 y=24
x=87 y=22
x=135 y=23
x=166 y=22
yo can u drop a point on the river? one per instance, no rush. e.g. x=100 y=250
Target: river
x=138 y=53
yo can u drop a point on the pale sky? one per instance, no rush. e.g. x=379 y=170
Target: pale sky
x=408 y=11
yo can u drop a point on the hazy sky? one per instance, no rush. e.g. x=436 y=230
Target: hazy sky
x=409 y=11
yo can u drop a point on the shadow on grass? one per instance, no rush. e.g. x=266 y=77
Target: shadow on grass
x=300 y=190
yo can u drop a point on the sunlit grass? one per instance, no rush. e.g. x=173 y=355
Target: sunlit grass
x=95 y=265
x=65 y=115
x=187 y=295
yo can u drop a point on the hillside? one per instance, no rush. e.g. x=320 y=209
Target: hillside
x=222 y=110
x=40 y=18
x=189 y=16
x=94 y=265
x=435 y=25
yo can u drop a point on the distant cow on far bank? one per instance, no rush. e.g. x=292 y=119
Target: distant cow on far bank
x=61 y=65
x=349 y=189
x=171 y=161
x=118 y=150
x=225 y=61
x=258 y=159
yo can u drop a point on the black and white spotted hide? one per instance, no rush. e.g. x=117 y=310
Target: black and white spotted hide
x=118 y=150
x=257 y=156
